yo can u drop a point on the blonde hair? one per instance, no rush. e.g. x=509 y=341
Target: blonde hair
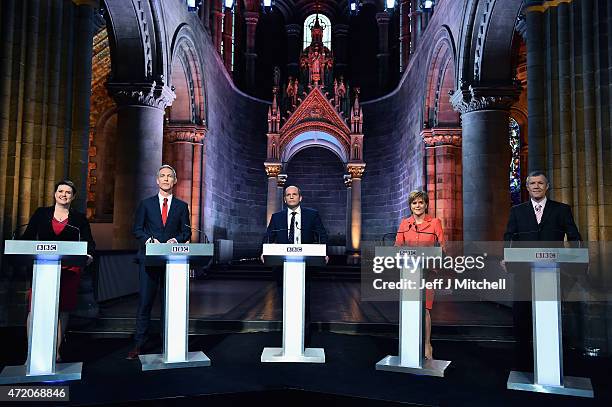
x=418 y=194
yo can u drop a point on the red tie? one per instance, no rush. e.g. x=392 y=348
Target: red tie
x=165 y=211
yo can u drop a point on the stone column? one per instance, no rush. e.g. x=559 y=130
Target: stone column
x=272 y=171
x=340 y=48
x=356 y=172
x=250 y=56
x=140 y=123
x=217 y=28
x=204 y=13
x=485 y=159
x=79 y=148
x=414 y=25
x=183 y=143
x=536 y=72
x=404 y=37
x=383 y=49
x=444 y=178
x=348 y=182
x=227 y=39
x=294 y=47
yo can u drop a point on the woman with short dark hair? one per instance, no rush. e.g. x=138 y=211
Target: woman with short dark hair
x=61 y=222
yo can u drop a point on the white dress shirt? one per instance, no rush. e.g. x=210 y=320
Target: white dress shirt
x=542 y=202
x=161 y=202
x=297 y=236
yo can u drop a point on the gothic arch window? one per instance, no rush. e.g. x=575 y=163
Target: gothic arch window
x=515 y=163
x=325 y=23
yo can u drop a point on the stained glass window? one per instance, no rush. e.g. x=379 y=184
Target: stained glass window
x=325 y=24
x=515 y=163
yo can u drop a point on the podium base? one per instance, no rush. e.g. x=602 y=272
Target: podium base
x=63 y=372
x=573 y=386
x=310 y=355
x=431 y=367
x=156 y=361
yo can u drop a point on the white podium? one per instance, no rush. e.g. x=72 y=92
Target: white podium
x=547 y=333
x=411 y=316
x=48 y=257
x=176 y=258
x=294 y=259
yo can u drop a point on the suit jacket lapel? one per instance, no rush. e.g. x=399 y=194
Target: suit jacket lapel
x=547 y=210
x=171 y=210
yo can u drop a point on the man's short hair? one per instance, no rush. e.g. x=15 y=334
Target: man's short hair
x=166 y=166
x=536 y=173
x=293 y=186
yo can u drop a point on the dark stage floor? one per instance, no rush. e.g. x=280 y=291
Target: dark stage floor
x=247 y=305
x=477 y=376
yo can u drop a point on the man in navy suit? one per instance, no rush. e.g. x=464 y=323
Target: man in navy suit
x=296 y=225
x=535 y=223
x=161 y=218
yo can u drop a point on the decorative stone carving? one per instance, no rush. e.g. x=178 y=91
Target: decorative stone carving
x=441 y=137
x=144 y=94
x=273 y=169
x=187 y=133
x=470 y=99
x=348 y=181
x=356 y=170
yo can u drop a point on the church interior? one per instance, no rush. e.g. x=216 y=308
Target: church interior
x=356 y=102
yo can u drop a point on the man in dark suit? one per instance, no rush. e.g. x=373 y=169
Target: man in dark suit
x=161 y=218
x=535 y=223
x=296 y=225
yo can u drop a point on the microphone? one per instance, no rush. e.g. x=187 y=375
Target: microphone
x=436 y=244
x=17 y=229
x=198 y=230
x=74 y=227
x=268 y=234
x=317 y=234
x=517 y=234
x=382 y=239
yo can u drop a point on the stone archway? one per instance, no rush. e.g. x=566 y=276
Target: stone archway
x=442 y=138
x=317 y=123
x=185 y=126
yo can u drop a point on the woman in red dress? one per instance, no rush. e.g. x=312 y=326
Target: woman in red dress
x=60 y=222
x=420 y=229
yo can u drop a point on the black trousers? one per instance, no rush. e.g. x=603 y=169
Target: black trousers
x=151 y=280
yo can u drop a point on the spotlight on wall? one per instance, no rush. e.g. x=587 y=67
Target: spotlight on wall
x=389 y=4
x=427 y=5
x=193 y=5
x=266 y=5
x=228 y=3
x=354 y=7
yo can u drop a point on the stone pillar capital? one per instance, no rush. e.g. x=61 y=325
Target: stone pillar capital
x=383 y=18
x=293 y=29
x=340 y=30
x=273 y=169
x=186 y=133
x=356 y=170
x=142 y=94
x=251 y=17
x=469 y=98
x=438 y=136
x=92 y=3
